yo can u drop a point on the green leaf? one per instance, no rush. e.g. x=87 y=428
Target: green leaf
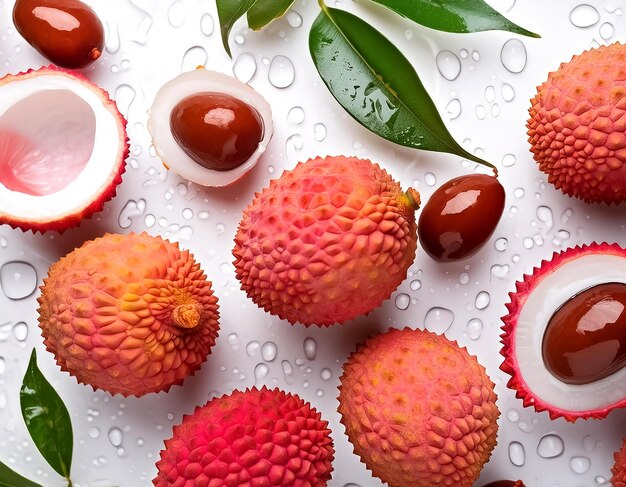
x=9 y=478
x=460 y=16
x=229 y=12
x=265 y=11
x=376 y=84
x=47 y=419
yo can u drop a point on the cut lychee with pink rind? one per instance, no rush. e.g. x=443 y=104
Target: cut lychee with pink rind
x=255 y=438
x=129 y=314
x=419 y=410
x=532 y=305
x=63 y=147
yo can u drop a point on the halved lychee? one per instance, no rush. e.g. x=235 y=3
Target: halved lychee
x=63 y=147
x=565 y=334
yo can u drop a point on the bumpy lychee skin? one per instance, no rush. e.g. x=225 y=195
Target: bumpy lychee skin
x=577 y=126
x=619 y=469
x=256 y=438
x=419 y=410
x=326 y=242
x=129 y=314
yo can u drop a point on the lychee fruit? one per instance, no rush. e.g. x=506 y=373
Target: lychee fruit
x=326 y=242
x=129 y=314
x=256 y=438
x=619 y=469
x=419 y=410
x=577 y=125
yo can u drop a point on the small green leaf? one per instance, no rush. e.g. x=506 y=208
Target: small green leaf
x=459 y=16
x=9 y=478
x=265 y=11
x=376 y=84
x=229 y=12
x=47 y=419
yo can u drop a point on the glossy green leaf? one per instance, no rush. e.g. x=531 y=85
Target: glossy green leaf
x=265 y=11
x=47 y=419
x=9 y=478
x=229 y=12
x=460 y=16
x=376 y=84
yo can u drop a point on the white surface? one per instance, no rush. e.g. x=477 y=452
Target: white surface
x=147 y=49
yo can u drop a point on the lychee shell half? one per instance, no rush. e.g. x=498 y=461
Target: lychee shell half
x=419 y=410
x=619 y=469
x=63 y=147
x=326 y=242
x=129 y=314
x=577 y=125
x=256 y=438
x=536 y=298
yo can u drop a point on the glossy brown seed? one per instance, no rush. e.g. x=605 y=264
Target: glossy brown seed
x=216 y=130
x=460 y=217
x=506 y=483
x=67 y=32
x=585 y=339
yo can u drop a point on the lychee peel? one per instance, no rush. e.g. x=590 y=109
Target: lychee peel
x=107 y=190
x=577 y=126
x=419 y=410
x=255 y=438
x=523 y=289
x=326 y=242
x=619 y=469
x=129 y=314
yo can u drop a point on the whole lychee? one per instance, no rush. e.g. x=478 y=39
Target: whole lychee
x=256 y=438
x=130 y=314
x=619 y=469
x=419 y=410
x=326 y=242
x=577 y=125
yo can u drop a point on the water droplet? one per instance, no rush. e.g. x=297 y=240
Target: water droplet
x=252 y=348
x=544 y=214
x=501 y=244
x=116 y=436
x=449 y=65
x=500 y=271
x=4 y=242
x=207 y=25
x=403 y=301
x=269 y=351
x=204 y=215
x=319 y=132
x=430 y=179
x=474 y=328
x=519 y=193
x=438 y=319
x=351 y=485
x=194 y=56
x=20 y=331
x=589 y=443
x=18 y=279
x=599 y=480
x=453 y=108
x=512 y=415
x=528 y=243
x=481 y=113
x=295 y=116
x=464 y=278
x=244 y=68
x=507 y=92
x=94 y=433
x=124 y=96
x=281 y=73
x=260 y=372
x=131 y=209
x=294 y=143
x=517 y=455
x=176 y=14
x=580 y=465
x=294 y=19
x=233 y=341
x=326 y=374
x=140 y=442
x=112 y=38
x=584 y=16
x=508 y=160
x=287 y=371
x=187 y=213
x=513 y=55
x=607 y=30
x=415 y=285
x=310 y=348
x=550 y=446
x=482 y=300
x=149 y=221
x=490 y=94
x=220 y=228
x=495 y=110
x=169 y=416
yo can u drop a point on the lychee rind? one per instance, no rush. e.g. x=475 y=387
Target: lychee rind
x=326 y=242
x=619 y=469
x=523 y=289
x=129 y=314
x=419 y=410
x=256 y=438
x=577 y=126
x=108 y=189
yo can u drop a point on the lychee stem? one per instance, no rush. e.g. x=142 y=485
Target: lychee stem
x=187 y=315
x=413 y=198
x=95 y=53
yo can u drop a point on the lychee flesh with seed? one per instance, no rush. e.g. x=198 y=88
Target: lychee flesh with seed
x=256 y=438
x=129 y=314
x=419 y=410
x=619 y=469
x=326 y=242
x=577 y=125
